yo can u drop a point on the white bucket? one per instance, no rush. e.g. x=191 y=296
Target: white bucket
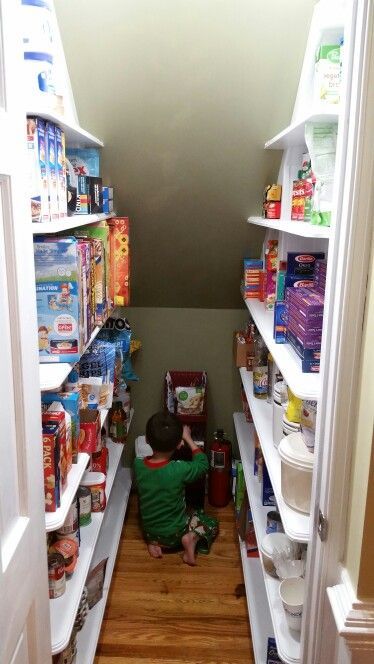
x=37 y=31
x=39 y=76
x=296 y=472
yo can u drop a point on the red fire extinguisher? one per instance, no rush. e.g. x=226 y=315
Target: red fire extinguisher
x=219 y=490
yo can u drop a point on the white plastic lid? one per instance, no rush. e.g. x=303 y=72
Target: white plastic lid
x=91 y=479
x=274 y=542
x=295 y=426
x=293 y=450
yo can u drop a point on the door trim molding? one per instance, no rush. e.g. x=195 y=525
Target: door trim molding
x=354 y=618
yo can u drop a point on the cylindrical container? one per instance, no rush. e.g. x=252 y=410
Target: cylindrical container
x=95 y=482
x=274 y=522
x=278 y=412
x=84 y=497
x=71 y=521
x=260 y=368
x=56 y=575
x=291 y=592
x=68 y=549
x=75 y=536
x=39 y=75
x=37 y=32
x=219 y=485
x=296 y=472
x=289 y=427
x=271 y=543
x=308 y=423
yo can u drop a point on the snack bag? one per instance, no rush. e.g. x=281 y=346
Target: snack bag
x=190 y=400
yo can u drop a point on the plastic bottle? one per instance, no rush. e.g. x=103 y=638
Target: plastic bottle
x=117 y=423
x=260 y=368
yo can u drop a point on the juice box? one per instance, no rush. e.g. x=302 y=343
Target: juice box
x=119 y=246
x=57 y=298
x=37 y=169
x=61 y=172
x=71 y=403
x=52 y=171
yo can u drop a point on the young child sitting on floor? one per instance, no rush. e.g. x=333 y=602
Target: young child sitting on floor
x=161 y=485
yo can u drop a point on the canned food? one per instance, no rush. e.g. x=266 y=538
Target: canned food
x=84 y=497
x=96 y=484
x=68 y=549
x=71 y=521
x=274 y=522
x=56 y=575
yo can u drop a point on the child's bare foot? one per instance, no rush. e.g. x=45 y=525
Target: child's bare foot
x=189 y=544
x=154 y=550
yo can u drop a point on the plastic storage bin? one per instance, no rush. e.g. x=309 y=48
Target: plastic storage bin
x=296 y=472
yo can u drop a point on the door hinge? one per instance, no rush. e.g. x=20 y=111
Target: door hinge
x=322 y=526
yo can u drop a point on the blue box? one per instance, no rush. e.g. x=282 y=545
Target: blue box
x=268 y=498
x=85 y=161
x=303 y=353
x=71 y=402
x=297 y=281
x=272 y=656
x=280 y=328
x=302 y=263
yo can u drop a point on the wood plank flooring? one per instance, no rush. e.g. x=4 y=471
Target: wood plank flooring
x=164 y=612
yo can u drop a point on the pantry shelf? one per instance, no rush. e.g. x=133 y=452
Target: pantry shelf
x=53 y=374
x=64 y=609
x=296 y=524
x=301 y=228
x=294 y=134
x=76 y=137
x=258 y=607
x=288 y=641
x=107 y=547
x=75 y=221
x=303 y=385
x=54 y=520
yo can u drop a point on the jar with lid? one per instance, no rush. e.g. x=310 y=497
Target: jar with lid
x=260 y=368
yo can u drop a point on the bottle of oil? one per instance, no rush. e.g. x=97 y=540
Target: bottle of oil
x=260 y=368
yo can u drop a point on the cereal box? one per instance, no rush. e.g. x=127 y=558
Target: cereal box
x=52 y=171
x=119 y=243
x=57 y=417
x=51 y=463
x=85 y=161
x=61 y=173
x=37 y=169
x=57 y=298
x=71 y=403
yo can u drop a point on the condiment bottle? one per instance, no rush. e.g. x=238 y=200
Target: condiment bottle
x=260 y=368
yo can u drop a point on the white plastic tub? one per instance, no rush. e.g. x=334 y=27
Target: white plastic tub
x=296 y=472
x=272 y=542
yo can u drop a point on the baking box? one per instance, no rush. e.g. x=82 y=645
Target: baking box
x=51 y=465
x=37 y=169
x=57 y=298
x=71 y=403
x=119 y=247
x=52 y=171
x=241 y=346
x=85 y=161
x=90 y=431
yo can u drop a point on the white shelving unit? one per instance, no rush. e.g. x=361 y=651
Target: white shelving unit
x=75 y=135
x=75 y=221
x=304 y=385
x=64 y=608
x=288 y=641
x=301 y=228
x=106 y=547
x=296 y=524
x=54 y=520
x=258 y=607
x=53 y=374
x=294 y=134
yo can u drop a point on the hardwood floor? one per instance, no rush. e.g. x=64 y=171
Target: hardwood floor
x=164 y=612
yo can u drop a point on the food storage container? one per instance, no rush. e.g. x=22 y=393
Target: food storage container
x=296 y=472
x=289 y=427
x=95 y=482
x=274 y=543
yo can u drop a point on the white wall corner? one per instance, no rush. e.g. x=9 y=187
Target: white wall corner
x=354 y=619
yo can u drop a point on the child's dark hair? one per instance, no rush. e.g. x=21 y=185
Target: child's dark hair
x=164 y=432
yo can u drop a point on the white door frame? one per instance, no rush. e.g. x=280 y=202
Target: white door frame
x=349 y=256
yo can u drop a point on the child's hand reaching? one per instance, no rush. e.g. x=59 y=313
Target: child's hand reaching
x=187 y=438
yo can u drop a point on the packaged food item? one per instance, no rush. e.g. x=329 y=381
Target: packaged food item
x=56 y=575
x=260 y=369
x=52 y=171
x=57 y=299
x=280 y=327
x=117 y=423
x=302 y=196
x=98 y=362
x=119 y=247
x=190 y=400
x=95 y=583
x=327 y=75
x=281 y=277
x=52 y=416
x=240 y=486
x=271 y=255
x=70 y=402
x=84 y=498
x=85 y=161
x=90 y=431
x=82 y=203
x=68 y=549
x=259 y=459
x=242 y=345
x=271 y=206
x=95 y=193
x=61 y=172
x=51 y=464
x=268 y=497
x=270 y=289
x=108 y=206
x=99 y=461
x=82 y=612
x=37 y=169
x=272 y=652
x=252 y=269
x=293 y=410
x=302 y=264
x=96 y=484
x=68 y=448
x=250 y=537
x=321 y=142
x=274 y=522
x=308 y=423
x=297 y=281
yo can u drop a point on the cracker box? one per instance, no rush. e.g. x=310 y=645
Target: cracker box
x=57 y=298
x=37 y=169
x=51 y=416
x=52 y=171
x=61 y=172
x=85 y=161
x=119 y=242
x=90 y=431
x=71 y=403
x=51 y=465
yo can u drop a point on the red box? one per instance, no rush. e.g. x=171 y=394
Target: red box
x=272 y=210
x=58 y=418
x=90 y=431
x=119 y=247
x=51 y=465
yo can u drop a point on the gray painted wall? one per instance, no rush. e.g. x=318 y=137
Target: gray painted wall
x=184 y=94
